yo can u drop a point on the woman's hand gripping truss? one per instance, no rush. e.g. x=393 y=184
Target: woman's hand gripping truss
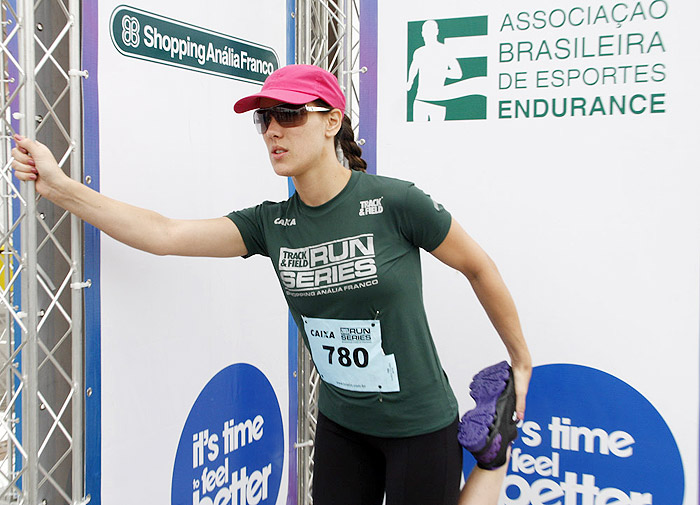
x=33 y=161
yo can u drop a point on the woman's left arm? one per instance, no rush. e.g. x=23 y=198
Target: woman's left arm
x=462 y=253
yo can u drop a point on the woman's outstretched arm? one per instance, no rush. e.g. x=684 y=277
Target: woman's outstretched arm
x=137 y=227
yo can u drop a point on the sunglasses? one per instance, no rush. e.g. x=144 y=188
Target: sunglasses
x=286 y=115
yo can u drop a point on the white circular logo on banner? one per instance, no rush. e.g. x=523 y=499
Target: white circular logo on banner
x=131 y=31
x=590 y=438
x=232 y=446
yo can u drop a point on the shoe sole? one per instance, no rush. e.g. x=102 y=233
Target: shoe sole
x=483 y=429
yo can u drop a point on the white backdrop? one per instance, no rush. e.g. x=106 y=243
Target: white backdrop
x=594 y=221
x=171 y=142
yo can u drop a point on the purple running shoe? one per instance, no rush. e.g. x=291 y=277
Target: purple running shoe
x=489 y=428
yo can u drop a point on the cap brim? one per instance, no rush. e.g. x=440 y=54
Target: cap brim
x=253 y=101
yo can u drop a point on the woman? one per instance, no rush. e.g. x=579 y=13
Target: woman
x=346 y=250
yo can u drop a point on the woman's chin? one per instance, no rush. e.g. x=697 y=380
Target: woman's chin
x=283 y=170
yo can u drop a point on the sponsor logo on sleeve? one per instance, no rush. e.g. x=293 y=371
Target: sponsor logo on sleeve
x=373 y=206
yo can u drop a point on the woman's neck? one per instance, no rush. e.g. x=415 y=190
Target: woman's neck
x=316 y=187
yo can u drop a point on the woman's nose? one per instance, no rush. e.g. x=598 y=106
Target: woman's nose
x=273 y=129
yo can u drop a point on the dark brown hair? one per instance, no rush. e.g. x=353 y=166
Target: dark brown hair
x=345 y=138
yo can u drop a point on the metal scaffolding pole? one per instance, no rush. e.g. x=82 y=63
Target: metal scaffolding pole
x=30 y=374
x=41 y=338
x=327 y=36
x=77 y=285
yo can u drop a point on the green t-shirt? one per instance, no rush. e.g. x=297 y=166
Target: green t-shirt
x=356 y=257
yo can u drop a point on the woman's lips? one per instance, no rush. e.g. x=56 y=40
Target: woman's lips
x=277 y=152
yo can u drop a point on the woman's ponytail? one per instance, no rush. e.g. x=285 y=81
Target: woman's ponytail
x=345 y=139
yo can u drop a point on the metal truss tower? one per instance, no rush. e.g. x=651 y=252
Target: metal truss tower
x=41 y=284
x=41 y=319
x=328 y=35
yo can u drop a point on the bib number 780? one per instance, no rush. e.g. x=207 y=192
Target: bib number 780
x=359 y=357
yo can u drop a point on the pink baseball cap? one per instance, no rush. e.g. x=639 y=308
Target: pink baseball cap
x=297 y=84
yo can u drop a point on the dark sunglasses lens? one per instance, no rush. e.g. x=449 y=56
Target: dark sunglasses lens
x=289 y=117
x=285 y=116
x=261 y=118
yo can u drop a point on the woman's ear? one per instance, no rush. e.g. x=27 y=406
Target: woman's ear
x=334 y=122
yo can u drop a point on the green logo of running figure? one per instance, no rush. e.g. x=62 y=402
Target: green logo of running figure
x=445 y=67
x=147 y=36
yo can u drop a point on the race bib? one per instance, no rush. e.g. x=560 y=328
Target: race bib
x=349 y=354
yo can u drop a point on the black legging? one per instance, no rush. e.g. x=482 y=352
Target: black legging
x=355 y=469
